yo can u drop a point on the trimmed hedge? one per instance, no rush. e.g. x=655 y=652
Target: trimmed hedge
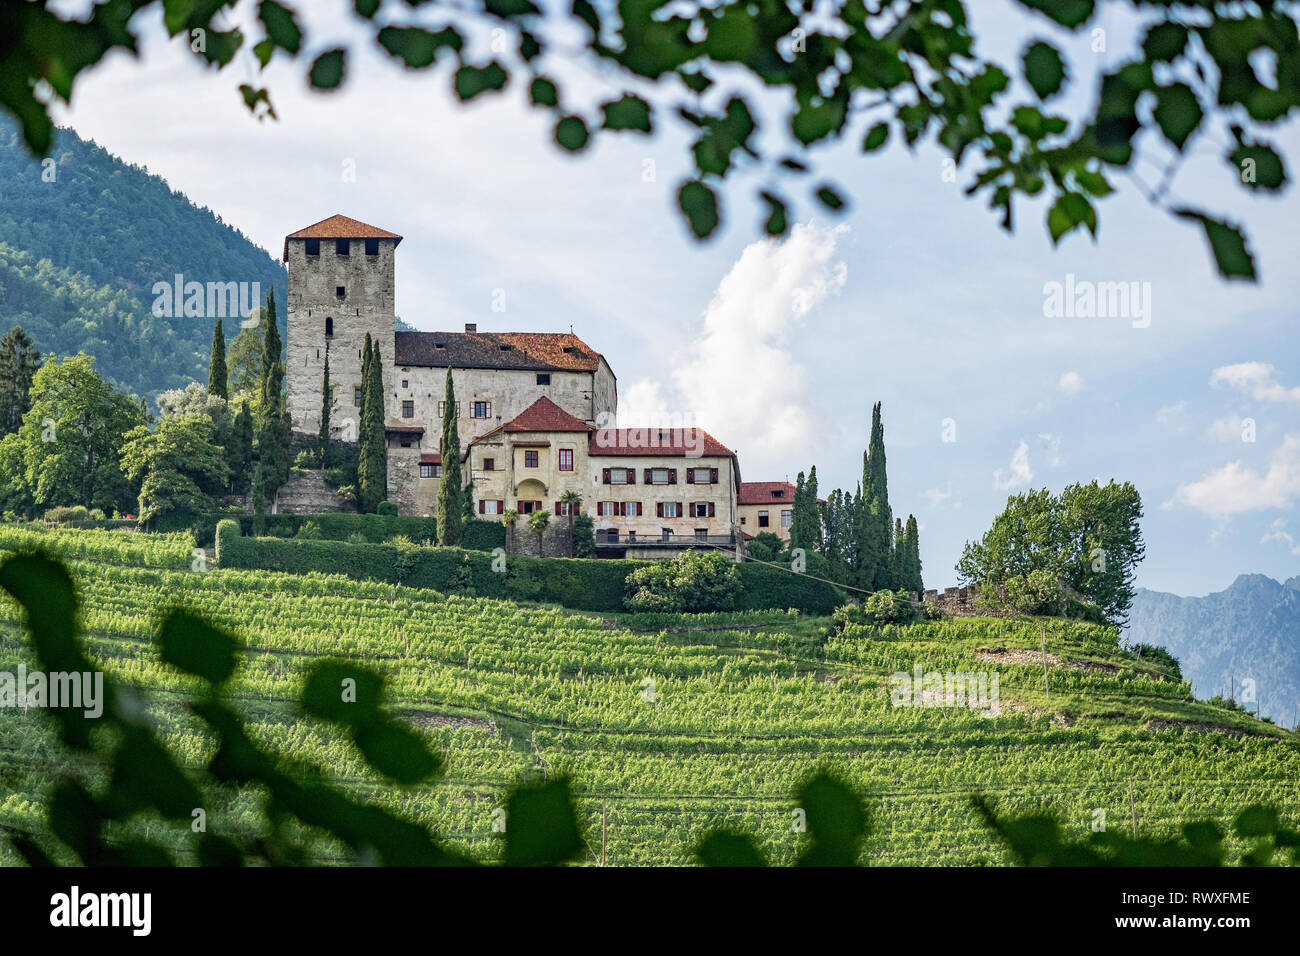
x=580 y=583
x=334 y=526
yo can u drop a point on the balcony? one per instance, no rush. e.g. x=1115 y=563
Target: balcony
x=612 y=539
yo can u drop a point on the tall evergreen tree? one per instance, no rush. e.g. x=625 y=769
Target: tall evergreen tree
x=270 y=348
x=241 y=452
x=218 y=378
x=450 y=529
x=273 y=431
x=878 y=520
x=323 y=439
x=913 y=564
x=372 y=465
x=806 y=523
x=19 y=361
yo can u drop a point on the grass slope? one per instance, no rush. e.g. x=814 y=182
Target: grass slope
x=668 y=724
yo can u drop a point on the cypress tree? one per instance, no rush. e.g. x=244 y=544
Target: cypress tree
x=796 y=517
x=218 y=378
x=323 y=439
x=878 y=520
x=19 y=361
x=273 y=431
x=450 y=501
x=240 y=452
x=812 y=513
x=372 y=466
x=914 y=581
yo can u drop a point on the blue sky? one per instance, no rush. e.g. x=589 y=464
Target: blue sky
x=915 y=297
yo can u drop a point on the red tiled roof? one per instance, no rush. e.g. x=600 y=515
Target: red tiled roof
x=760 y=492
x=339 y=227
x=545 y=416
x=530 y=444
x=529 y=351
x=652 y=441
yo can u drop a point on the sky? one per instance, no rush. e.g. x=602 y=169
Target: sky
x=915 y=297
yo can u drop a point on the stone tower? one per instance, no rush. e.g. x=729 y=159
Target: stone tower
x=341 y=286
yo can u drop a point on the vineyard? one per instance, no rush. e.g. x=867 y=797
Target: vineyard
x=667 y=724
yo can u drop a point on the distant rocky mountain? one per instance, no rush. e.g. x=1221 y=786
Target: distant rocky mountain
x=1248 y=632
x=84 y=239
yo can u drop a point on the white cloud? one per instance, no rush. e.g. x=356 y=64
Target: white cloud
x=743 y=381
x=1226 y=429
x=1017 y=471
x=1235 y=488
x=1171 y=416
x=1052 y=448
x=1259 y=379
x=1277 y=532
x=1071 y=383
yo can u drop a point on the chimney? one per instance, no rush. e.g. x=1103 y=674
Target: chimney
x=471 y=327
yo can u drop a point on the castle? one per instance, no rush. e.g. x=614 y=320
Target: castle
x=535 y=412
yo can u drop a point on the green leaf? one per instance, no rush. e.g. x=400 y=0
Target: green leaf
x=628 y=112
x=732 y=35
x=343 y=693
x=830 y=198
x=542 y=825
x=397 y=752
x=510 y=8
x=1044 y=70
x=1068 y=13
x=176 y=15
x=194 y=646
x=1070 y=211
x=1259 y=165
x=473 y=80
x=696 y=82
x=776 y=224
x=700 y=204
x=571 y=133
x=837 y=821
x=542 y=92
x=876 y=137
x=1227 y=243
x=417 y=47
x=1164 y=42
x=728 y=848
x=328 y=69
x=366 y=9
x=1178 y=112
x=1256 y=821
x=815 y=120
x=1093 y=183
x=280 y=25
x=144 y=775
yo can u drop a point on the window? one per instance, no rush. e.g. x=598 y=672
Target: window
x=668 y=509
x=762 y=519
x=408 y=409
x=530 y=459
x=661 y=476
x=329 y=328
x=489 y=464
x=666 y=534
x=562 y=509
x=606 y=509
x=742 y=519
x=619 y=476
x=405 y=384
x=490 y=507
x=430 y=471
x=340 y=292
x=313 y=247
x=528 y=507
x=342 y=247
x=701 y=533
x=702 y=476
x=442 y=409
x=372 y=247
x=566 y=459
x=543 y=378
x=356 y=396
x=482 y=409
x=787 y=518
x=703 y=509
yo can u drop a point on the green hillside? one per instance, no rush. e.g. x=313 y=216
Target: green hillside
x=667 y=724
x=97 y=238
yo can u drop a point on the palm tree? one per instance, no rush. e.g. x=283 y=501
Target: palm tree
x=539 y=521
x=508 y=519
x=574 y=501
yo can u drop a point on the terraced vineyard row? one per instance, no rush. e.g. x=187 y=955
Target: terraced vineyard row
x=672 y=724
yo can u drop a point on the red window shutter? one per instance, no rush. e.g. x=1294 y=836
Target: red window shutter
x=480 y=507
x=672 y=476
x=649 y=478
x=712 y=509
x=605 y=476
x=659 y=509
x=501 y=507
x=713 y=476
x=557 y=508
x=638 y=509
x=690 y=476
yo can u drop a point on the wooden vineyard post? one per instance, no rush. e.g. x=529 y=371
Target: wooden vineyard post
x=1132 y=806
